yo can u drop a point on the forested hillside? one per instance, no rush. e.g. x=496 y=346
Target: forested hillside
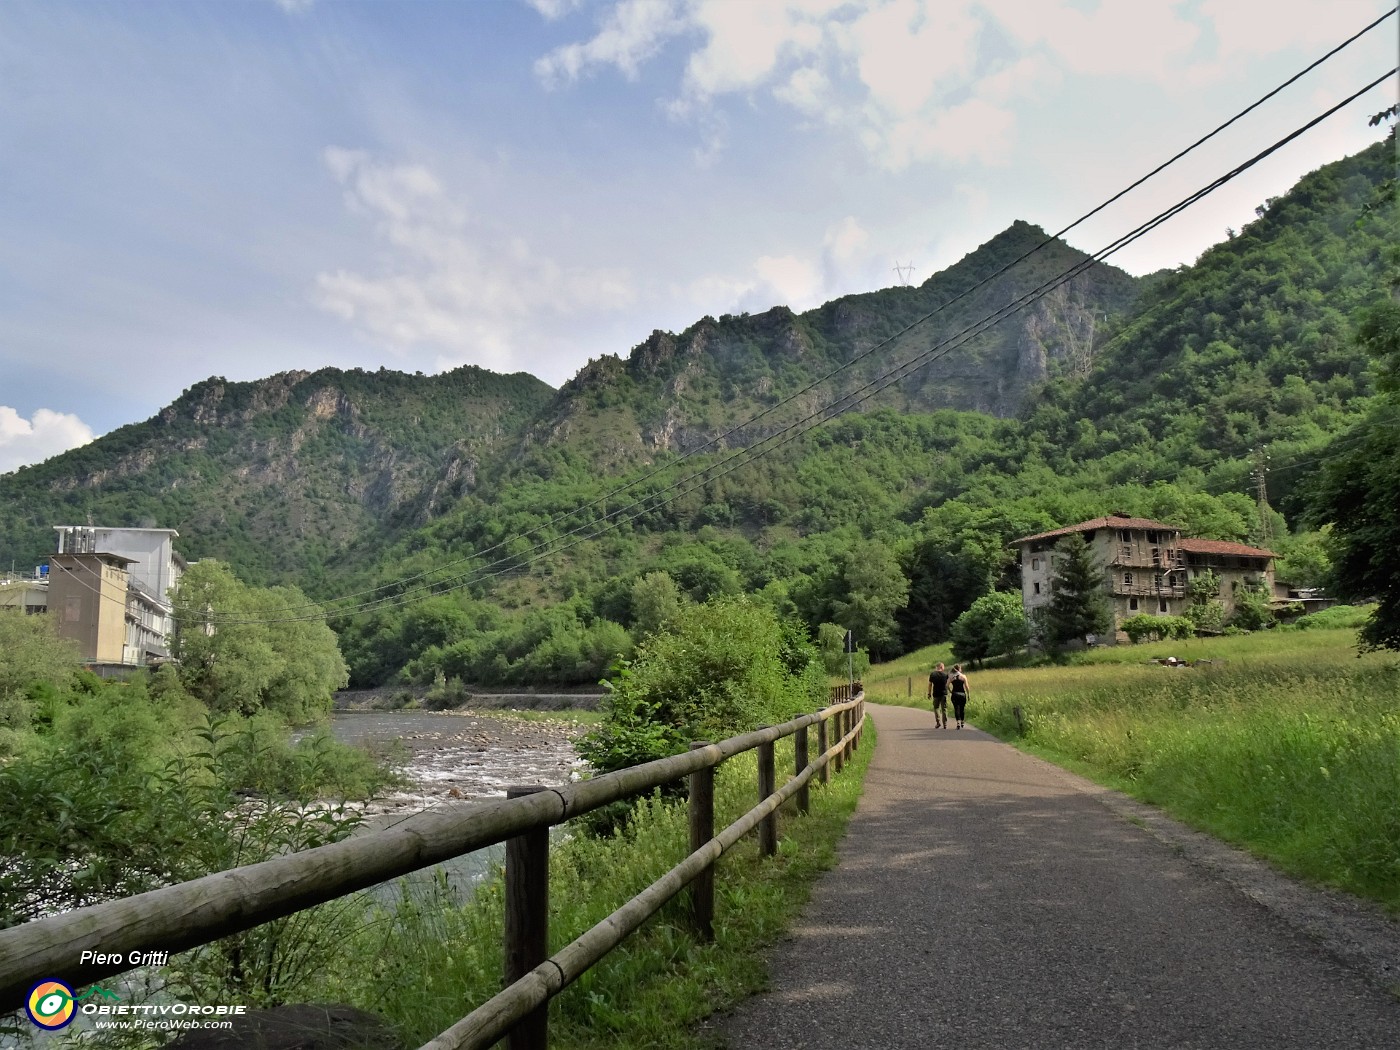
x=512 y=534
x=1250 y=347
x=276 y=476
x=892 y=520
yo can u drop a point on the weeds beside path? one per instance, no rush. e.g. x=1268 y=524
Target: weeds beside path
x=653 y=991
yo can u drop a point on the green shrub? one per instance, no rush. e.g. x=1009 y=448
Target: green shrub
x=1144 y=626
x=714 y=670
x=434 y=953
x=1351 y=617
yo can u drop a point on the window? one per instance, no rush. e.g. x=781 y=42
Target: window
x=1132 y=605
x=1124 y=536
x=1035 y=564
x=1162 y=605
x=1127 y=579
x=1037 y=588
x=1151 y=537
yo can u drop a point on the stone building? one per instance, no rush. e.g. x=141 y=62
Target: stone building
x=1147 y=565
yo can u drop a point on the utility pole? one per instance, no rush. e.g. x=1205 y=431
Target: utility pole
x=1261 y=493
x=905 y=271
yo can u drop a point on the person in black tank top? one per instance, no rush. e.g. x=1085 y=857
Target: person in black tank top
x=958 y=684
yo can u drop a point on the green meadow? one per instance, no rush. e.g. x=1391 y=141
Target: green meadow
x=1287 y=743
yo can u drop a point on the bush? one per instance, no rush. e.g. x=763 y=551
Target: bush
x=1349 y=617
x=715 y=670
x=1252 y=611
x=995 y=624
x=831 y=644
x=1142 y=626
x=446 y=694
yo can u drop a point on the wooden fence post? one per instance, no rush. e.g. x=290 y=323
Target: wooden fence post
x=822 y=745
x=768 y=826
x=527 y=921
x=840 y=730
x=702 y=829
x=799 y=763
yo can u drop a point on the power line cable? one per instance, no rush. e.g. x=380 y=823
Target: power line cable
x=392 y=599
x=882 y=344
x=840 y=405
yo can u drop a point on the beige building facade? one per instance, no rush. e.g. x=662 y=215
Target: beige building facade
x=88 y=598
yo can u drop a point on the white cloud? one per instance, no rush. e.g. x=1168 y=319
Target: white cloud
x=800 y=280
x=24 y=441
x=745 y=42
x=1118 y=38
x=1249 y=29
x=846 y=242
x=904 y=50
x=789 y=279
x=295 y=7
x=553 y=10
x=632 y=32
x=903 y=77
x=452 y=283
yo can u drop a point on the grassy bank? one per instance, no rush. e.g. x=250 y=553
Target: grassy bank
x=1288 y=744
x=431 y=960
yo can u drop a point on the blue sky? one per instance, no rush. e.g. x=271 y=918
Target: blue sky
x=243 y=187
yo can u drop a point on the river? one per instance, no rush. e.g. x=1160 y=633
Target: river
x=452 y=756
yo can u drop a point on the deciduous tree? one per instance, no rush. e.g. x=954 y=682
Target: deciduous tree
x=995 y=624
x=243 y=648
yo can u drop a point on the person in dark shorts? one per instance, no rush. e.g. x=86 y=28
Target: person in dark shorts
x=958 y=684
x=938 y=693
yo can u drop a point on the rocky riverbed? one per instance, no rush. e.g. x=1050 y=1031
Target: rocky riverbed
x=460 y=755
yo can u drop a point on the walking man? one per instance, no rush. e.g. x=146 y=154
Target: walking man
x=938 y=693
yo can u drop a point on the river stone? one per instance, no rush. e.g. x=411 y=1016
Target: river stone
x=304 y=1027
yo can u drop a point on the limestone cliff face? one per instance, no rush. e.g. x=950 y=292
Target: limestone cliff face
x=913 y=349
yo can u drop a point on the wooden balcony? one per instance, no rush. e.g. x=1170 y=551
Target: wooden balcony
x=1146 y=589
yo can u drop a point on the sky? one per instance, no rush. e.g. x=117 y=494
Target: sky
x=243 y=187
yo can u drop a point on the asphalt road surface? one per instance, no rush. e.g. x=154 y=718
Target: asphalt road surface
x=986 y=899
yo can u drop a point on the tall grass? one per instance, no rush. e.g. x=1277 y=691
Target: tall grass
x=433 y=958
x=1291 y=747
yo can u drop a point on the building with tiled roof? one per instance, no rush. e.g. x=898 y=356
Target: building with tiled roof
x=1148 y=566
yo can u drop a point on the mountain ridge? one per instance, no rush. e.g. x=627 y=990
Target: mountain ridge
x=338 y=477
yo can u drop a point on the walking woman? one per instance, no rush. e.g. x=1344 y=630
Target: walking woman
x=958 y=686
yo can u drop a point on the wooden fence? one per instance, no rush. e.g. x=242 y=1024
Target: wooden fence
x=176 y=918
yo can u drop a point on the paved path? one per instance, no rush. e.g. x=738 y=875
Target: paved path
x=985 y=899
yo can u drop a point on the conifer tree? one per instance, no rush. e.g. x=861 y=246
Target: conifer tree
x=1079 y=607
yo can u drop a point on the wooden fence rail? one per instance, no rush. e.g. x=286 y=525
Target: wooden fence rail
x=176 y=918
